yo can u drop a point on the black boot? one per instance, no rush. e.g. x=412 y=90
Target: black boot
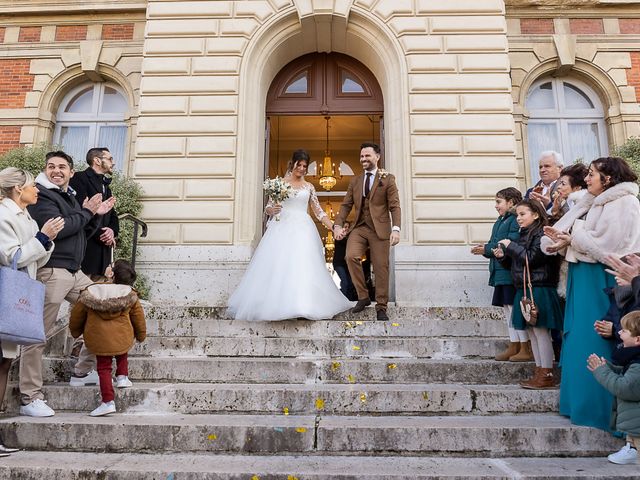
x=360 y=305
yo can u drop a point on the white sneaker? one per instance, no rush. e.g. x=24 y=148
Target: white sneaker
x=104 y=409
x=627 y=455
x=90 y=378
x=122 y=381
x=37 y=408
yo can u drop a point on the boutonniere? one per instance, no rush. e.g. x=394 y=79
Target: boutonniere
x=382 y=174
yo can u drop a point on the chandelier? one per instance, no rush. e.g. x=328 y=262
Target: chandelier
x=327 y=170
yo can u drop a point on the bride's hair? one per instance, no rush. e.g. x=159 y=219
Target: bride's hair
x=298 y=156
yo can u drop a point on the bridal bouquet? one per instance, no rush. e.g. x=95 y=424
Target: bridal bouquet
x=277 y=190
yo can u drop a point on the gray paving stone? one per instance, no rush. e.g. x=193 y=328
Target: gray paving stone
x=88 y=466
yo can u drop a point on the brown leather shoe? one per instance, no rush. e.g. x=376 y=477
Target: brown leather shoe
x=524 y=355
x=512 y=349
x=382 y=315
x=360 y=304
x=532 y=380
x=546 y=380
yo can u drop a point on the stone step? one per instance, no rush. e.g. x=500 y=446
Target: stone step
x=334 y=399
x=308 y=370
x=403 y=347
x=38 y=465
x=396 y=314
x=529 y=435
x=411 y=327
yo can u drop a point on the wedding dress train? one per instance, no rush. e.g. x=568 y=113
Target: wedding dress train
x=287 y=276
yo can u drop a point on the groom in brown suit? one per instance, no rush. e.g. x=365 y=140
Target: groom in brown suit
x=376 y=227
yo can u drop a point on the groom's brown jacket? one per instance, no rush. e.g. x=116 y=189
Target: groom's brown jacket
x=384 y=203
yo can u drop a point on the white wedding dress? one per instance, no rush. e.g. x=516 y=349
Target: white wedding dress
x=287 y=277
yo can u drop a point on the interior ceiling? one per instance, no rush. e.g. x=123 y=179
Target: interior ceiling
x=313 y=128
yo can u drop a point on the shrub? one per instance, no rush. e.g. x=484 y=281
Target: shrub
x=125 y=189
x=630 y=151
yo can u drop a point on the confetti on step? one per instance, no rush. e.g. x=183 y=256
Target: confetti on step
x=170 y=476
x=348 y=324
x=291 y=477
x=363 y=397
x=301 y=429
x=425 y=395
x=359 y=322
x=392 y=366
x=335 y=366
x=212 y=437
x=351 y=378
x=394 y=324
x=285 y=410
x=278 y=429
x=319 y=404
x=255 y=477
x=356 y=348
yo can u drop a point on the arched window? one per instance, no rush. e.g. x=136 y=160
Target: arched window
x=565 y=115
x=92 y=115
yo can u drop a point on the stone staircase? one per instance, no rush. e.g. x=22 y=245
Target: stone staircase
x=417 y=397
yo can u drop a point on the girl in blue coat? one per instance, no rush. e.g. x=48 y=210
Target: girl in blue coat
x=519 y=349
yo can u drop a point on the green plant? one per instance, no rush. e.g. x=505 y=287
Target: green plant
x=630 y=151
x=126 y=190
x=26 y=158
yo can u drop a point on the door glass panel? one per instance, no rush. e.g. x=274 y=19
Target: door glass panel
x=542 y=137
x=300 y=84
x=113 y=102
x=74 y=141
x=541 y=97
x=82 y=102
x=114 y=139
x=585 y=142
x=574 y=98
x=350 y=83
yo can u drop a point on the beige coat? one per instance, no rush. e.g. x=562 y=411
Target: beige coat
x=611 y=225
x=110 y=317
x=18 y=230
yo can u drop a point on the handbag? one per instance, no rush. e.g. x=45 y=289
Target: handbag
x=21 y=306
x=528 y=305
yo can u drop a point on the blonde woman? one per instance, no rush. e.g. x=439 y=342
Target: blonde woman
x=19 y=231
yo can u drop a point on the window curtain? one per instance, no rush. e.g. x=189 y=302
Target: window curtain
x=114 y=139
x=542 y=137
x=584 y=144
x=74 y=141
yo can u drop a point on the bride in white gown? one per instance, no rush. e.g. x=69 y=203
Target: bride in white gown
x=287 y=276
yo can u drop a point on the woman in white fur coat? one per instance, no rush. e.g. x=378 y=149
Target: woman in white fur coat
x=19 y=231
x=605 y=221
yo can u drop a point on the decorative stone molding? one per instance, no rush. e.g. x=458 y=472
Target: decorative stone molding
x=324 y=23
x=569 y=3
x=566 y=48
x=89 y=56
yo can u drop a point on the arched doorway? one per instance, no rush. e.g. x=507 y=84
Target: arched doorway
x=327 y=104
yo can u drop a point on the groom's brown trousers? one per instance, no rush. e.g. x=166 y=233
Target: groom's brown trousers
x=361 y=238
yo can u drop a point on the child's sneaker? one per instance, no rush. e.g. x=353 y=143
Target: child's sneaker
x=90 y=378
x=627 y=455
x=122 y=381
x=104 y=409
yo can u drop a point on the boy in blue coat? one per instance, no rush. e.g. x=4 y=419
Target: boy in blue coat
x=622 y=379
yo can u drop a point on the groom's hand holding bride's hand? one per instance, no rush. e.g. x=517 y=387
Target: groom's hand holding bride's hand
x=338 y=232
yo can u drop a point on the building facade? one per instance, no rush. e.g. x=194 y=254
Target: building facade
x=462 y=94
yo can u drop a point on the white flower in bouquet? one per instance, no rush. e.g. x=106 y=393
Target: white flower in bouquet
x=277 y=190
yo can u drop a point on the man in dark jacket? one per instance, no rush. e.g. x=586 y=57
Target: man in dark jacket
x=86 y=184
x=61 y=275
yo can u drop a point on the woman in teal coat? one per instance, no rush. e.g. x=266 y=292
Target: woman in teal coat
x=611 y=226
x=500 y=278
